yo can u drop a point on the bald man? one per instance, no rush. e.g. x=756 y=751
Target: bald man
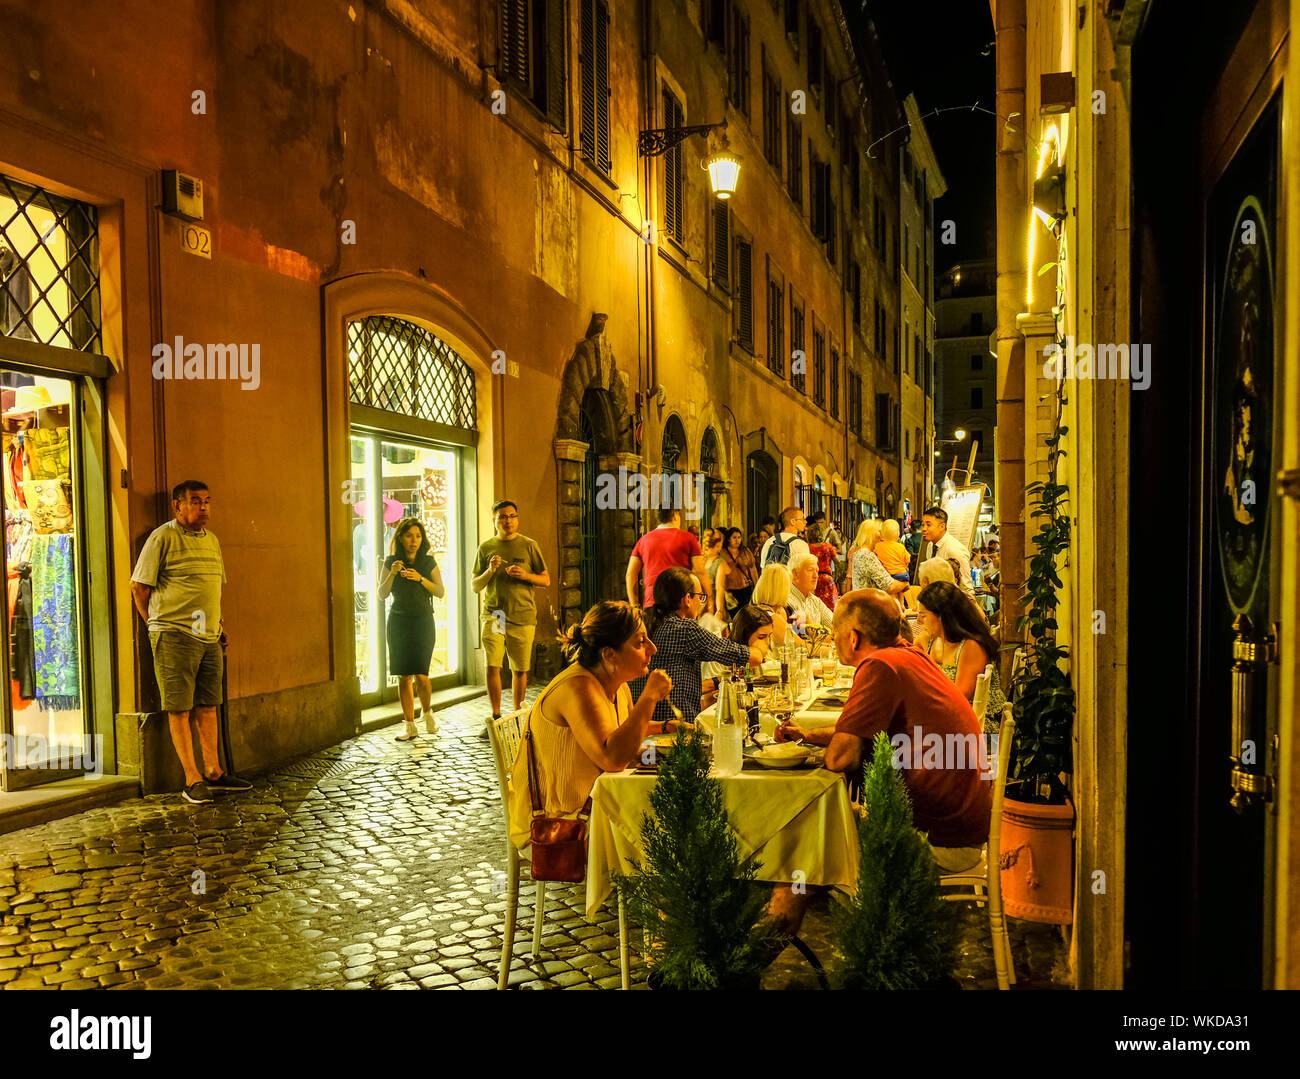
x=901 y=691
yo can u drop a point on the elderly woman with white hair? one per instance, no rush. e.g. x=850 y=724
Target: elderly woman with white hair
x=866 y=568
x=772 y=594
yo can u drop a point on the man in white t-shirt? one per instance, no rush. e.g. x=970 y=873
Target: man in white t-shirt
x=934 y=529
x=786 y=544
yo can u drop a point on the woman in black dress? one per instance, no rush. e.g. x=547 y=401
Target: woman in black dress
x=413 y=577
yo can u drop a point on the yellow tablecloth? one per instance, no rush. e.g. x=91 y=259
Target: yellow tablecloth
x=799 y=823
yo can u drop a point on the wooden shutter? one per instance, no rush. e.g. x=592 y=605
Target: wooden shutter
x=514 y=58
x=745 y=294
x=587 y=64
x=673 y=170
x=603 y=159
x=557 y=104
x=721 y=245
x=835 y=384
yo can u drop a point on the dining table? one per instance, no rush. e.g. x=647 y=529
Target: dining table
x=798 y=823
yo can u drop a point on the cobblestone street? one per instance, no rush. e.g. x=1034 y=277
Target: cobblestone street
x=369 y=865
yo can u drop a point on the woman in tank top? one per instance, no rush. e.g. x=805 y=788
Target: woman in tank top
x=961 y=644
x=584 y=722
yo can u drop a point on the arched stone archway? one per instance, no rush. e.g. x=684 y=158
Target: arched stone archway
x=596 y=532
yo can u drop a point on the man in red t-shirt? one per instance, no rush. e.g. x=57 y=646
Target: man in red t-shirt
x=936 y=737
x=667 y=545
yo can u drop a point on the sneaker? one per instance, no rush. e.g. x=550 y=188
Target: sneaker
x=228 y=781
x=430 y=723
x=197 y=793
x=409 y=733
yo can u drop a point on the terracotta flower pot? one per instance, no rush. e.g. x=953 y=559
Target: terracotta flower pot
x=1037 y=861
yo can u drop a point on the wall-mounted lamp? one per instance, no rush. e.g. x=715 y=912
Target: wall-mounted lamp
x=723 y=167
x=1049 y=196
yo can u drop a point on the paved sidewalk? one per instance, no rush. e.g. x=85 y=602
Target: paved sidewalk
x=369 y=865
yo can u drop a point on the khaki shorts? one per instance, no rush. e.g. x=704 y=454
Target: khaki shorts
x=188 y=670
x=517 y=643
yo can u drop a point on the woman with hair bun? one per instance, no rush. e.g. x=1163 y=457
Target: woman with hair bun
x=584 y=722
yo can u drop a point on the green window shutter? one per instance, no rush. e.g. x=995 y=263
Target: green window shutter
x=557 y=103
x=513 y=61
x=721 y=245
x=603 y=159
x=745 y=294
x=587 y=63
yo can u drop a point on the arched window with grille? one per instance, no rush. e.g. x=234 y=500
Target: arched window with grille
x=397 y=366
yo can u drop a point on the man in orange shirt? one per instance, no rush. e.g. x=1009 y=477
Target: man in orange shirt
x=936 y=738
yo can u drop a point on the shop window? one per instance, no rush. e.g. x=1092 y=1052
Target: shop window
x=49 y=268
x=44 y=563
x=400 y=367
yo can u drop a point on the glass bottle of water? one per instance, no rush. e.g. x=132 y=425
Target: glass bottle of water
x=728 y=741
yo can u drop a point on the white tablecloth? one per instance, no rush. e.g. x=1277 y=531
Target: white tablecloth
x=799 y=823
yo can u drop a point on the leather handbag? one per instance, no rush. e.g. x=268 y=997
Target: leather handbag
x=559 y=844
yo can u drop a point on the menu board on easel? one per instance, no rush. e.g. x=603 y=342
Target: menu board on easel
x=962 y=505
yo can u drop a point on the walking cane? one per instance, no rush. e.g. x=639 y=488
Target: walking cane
x=227 y=762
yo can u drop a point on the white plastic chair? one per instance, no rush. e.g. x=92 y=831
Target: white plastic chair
x=985 y=884
x=506 y=733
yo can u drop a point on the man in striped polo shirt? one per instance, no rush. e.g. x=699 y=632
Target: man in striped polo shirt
x=177 y=590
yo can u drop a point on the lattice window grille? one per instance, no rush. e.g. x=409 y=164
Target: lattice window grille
x=49 y=268
x=397 y=366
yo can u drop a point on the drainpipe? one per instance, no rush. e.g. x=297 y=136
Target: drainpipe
x=651 y=364
x=1009 y=23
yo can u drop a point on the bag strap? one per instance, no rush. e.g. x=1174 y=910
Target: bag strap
x=534 y=784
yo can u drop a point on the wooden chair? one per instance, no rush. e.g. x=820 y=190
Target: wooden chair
x=506 y=733
x=984 y=880
x=983 y=686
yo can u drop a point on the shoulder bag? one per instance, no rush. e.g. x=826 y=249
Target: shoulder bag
x=559 y=844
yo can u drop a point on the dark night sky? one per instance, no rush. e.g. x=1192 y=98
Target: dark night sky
x=934 y=49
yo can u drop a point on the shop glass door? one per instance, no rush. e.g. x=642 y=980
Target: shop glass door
x=392 y=480
x=45 y=709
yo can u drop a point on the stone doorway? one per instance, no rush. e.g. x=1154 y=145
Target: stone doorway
x=593 y=442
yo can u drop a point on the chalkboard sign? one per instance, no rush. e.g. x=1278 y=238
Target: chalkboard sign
x=962 y=505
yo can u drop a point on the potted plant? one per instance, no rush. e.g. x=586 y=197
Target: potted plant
x=1037 y=860
x=897 y=932
x=695 y=897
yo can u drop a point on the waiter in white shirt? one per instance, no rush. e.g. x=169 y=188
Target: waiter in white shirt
x=934 y=530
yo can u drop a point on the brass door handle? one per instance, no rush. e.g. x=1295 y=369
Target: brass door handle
x=1250 y=654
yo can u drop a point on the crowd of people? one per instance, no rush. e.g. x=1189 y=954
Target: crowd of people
x=901 y=601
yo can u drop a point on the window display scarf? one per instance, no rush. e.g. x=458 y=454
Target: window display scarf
x=54 y=622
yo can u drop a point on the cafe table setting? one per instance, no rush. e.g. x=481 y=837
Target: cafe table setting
x=793 y=815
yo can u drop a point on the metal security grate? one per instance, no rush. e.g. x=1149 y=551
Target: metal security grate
x=49 y=268
x=400 y=367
